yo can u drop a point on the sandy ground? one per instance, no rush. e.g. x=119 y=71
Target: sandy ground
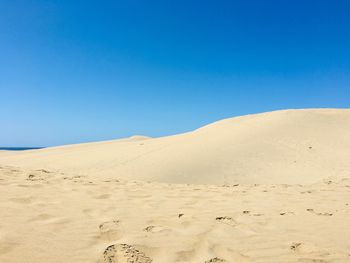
x=281 y=193
x=51 y=217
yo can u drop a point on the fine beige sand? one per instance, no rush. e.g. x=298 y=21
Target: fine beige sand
x=271 y=187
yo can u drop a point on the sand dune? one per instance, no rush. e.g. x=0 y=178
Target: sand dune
x=271 y=187
x=291 y=146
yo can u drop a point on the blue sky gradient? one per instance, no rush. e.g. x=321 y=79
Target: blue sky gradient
x=77 y=71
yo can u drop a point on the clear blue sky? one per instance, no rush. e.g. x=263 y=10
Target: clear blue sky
x=75 y=71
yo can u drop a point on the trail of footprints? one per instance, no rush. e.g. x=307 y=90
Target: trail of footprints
x=110 y=231
x=125 y=253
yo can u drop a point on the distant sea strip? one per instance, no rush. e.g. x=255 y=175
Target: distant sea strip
x=20 y=148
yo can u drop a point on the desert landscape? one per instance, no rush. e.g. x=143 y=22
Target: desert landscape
x=269 y=187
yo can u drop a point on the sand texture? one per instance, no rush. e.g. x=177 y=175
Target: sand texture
x=272 y=187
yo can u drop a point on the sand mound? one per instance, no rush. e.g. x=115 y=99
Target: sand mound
x=290 y=146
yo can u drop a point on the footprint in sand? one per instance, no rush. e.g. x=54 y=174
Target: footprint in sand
x=295 y=246
x=43 y=171
x=247 y=212
x=319 y=214
x=38 y=175
x=154 y=229
x=226 y=220
x=110 y=230
x=233 y=223
x=286 y=213
x=306 y=192
x=34 y=177
x=124 y=253
x=216 y=259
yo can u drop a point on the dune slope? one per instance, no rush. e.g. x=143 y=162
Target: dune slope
x=289 y=146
